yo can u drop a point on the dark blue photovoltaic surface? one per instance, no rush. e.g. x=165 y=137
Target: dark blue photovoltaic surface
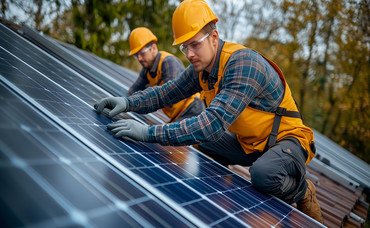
x=50 y=179
x=187 y=178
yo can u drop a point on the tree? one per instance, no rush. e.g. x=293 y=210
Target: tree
x=102 y=27
x=323 y=48
x=35 y=13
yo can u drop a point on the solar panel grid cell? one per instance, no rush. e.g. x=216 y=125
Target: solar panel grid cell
x=173 y=171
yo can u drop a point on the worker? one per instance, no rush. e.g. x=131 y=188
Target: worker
x=251 y=118
x=159 y=67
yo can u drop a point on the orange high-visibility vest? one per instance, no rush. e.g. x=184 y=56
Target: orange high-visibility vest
x=174 y=111
x=253 y=127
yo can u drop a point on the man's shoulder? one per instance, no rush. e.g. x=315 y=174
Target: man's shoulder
x=172 y=60
x=168 y=56
x=246 y=54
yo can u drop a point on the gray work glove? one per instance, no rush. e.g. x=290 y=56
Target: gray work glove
x=115 y=104
x=130 y=128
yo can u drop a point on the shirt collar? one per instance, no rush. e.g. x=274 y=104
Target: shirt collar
x=214 y=70
x=154 y=68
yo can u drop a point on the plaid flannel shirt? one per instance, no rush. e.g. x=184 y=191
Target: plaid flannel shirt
x=249 y=80
x=171 y=67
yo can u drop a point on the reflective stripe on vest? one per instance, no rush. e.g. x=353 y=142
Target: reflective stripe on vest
x=174 y=111
x=254 y=128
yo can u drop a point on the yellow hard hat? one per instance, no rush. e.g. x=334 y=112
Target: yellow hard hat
x=139 y=38
x=189 y=18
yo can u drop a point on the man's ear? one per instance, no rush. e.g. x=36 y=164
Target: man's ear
x=155 y=47
x=214 y=37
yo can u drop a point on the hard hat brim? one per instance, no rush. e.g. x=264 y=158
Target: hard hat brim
x=136 y=50
x=184 y=38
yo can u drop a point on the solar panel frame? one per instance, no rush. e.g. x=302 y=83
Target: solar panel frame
x=106 y=157
x=65 y=206
x=342 y=160
x=74 y=61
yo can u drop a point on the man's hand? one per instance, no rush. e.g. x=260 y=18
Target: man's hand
x=241 y=170
x=130 y=128
x=115 y=104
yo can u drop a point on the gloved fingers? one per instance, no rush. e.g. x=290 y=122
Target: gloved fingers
x=122 y=132
x=101 y=105
x=120 y=128
x=115 y=111
x=128 y=121
x=123 y=121
x=116 y=124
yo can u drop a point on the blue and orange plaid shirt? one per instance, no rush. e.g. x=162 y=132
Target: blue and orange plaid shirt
x=171 y=67
x=249 y=80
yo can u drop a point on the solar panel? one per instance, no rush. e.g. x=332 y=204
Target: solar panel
x=110 y=77
x=342 y=160
x=197 y=188
x=51 y=179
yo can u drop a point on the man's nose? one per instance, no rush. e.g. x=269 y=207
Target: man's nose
x=189 y=53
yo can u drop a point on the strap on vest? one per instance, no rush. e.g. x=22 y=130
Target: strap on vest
x=275 y=126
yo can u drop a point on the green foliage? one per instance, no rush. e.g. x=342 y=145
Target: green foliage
x=155 y=15
x=325 y=56
x=102 y=26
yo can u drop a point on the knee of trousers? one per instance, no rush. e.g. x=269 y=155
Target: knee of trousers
x=263 y=177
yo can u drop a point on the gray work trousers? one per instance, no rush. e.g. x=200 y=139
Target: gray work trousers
x=280 y=171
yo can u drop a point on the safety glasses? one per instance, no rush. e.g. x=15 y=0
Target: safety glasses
x=142 y=52
x=193 y=46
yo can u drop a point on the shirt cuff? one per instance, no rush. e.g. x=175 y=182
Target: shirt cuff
x=152 y=133
x=133 y=103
